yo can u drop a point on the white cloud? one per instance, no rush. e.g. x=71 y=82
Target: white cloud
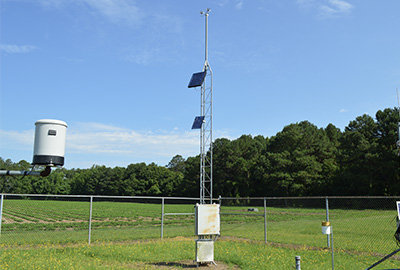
x=116 y=11
x=127 y=142
x=341 y=6
x=17 y=48
x=326 y=8
x=21 y=140
x=239 y=4
x=109 y=144
x=97 y=141
x=334 y=8
x=91 y=143
x=94 y=126
x=343 y=110
x=222 y=3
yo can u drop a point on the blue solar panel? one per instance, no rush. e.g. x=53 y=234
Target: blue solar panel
x=197 y=79
x=198 y=121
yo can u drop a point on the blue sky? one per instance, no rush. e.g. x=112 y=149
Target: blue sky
x=117 y=71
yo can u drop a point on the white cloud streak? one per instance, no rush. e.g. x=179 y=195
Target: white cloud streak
x=116 y=11
x=239 y=4
x=334 y=8
x=16 y=49
x=327 y=8
x=20 y=140
x=97 y=141
x=127 y=142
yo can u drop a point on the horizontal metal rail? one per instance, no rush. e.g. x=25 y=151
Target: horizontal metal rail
x=313 y=197
x=178 y=214
x=243 y=214
x=101 y=196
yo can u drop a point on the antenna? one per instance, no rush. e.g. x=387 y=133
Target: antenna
x=206 y=38
x=398 y=100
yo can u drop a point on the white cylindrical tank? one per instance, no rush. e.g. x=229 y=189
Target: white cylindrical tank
x=326 y=227
x=49 y=147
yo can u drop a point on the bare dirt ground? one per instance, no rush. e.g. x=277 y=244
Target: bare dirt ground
x=189 y=264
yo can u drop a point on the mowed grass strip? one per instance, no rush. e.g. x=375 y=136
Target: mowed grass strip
x=152 y=254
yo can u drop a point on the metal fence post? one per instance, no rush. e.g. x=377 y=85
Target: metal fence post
x=162 y=217
x=333 y=261
x=327 y=217
x=90 y=218
x=265 y=220
x=1 y=210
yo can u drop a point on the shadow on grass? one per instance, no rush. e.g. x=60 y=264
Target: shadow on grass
x=184 y=265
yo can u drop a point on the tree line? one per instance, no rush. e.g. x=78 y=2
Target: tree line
x=300 y=160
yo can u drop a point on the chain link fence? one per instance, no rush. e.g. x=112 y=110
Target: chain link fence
x=360 y=225
x=52 y=219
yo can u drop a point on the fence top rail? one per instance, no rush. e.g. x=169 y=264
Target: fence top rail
x=198 y=199
x=100 y=196
x=311 y=197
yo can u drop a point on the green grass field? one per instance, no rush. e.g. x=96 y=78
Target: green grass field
x=178 y=253
x=56 y=233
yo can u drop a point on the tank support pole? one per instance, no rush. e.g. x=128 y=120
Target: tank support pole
x=162 y=218
x=90 y=219
x=327 y=218
x=1 y=209
x=20 y=173
x=43 y=173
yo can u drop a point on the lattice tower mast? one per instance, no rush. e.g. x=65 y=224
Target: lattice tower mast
x=206 y=141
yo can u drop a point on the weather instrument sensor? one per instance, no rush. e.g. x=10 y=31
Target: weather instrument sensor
x=49 y=147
